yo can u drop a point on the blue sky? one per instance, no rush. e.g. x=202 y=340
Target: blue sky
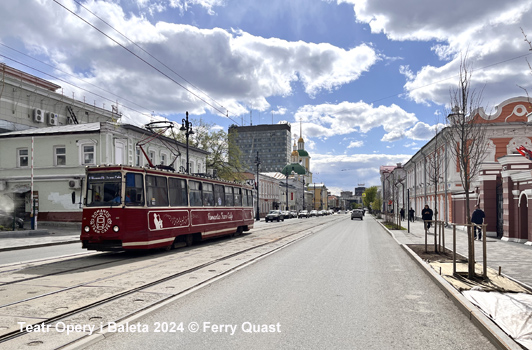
x=368 y=79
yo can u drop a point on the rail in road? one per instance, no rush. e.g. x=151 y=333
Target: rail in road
x=52 y=303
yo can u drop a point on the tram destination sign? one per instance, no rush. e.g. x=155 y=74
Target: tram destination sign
x=105 y=176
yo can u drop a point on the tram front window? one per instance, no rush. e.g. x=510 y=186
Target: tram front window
x=104 y=189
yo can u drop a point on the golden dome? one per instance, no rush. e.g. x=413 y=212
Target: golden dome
x=300 y=140
x=295 y=153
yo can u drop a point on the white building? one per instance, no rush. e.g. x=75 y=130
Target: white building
x=60 y=154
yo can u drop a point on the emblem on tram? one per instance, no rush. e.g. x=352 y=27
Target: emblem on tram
x=101 y=221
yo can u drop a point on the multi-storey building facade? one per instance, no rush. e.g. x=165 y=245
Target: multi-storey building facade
x=60 y=155
x=27 y=101
x=503 y=187
x=271 y=141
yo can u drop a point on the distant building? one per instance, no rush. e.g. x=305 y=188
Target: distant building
x=271 y=141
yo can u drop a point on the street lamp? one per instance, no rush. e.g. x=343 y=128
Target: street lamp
x=257 y=161
x=186 y=126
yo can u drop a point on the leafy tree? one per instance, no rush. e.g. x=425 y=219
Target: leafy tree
x=369 y=196
x=223 y=158
x=376 y=205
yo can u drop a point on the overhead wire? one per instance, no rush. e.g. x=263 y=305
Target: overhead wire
x=146 y=62
x=71 y=75
x=66 y=82
x=149 y=54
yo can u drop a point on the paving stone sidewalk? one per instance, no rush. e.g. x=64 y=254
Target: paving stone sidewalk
x=515 y=259
x=45 y=235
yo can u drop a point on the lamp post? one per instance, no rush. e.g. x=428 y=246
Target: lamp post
x=304 y=208
x=257 y=161
x=186 y=126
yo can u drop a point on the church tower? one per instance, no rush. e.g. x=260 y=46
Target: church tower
x=302 y=156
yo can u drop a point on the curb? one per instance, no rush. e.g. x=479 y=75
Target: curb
x=488 y=328
x=38 y=245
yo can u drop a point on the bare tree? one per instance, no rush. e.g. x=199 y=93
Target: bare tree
x=467 y=138
x=435 y=169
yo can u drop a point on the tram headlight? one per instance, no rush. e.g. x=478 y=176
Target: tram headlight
x=116 y=228
x=86 y=229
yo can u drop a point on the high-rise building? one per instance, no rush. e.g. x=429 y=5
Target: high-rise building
x=271 y=141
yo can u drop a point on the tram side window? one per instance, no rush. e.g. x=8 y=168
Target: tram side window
x=178 y=192
x=229 y=199
x=238 y=197
x=134 y=189
x=244 y=197
x=219 y=197
x=250 y=198
x=156 y=191
x=208 y=195
x=195 y=193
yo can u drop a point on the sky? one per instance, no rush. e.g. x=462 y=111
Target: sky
x=367 y=80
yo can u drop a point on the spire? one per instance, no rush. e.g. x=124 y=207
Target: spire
x=300 y=142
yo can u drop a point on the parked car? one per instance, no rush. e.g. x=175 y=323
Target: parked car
x=303 y=214
x=286 y=214
x=293 y=214
x=313 y=213
x=274 y=215
x=6 y=220
x=357 y=213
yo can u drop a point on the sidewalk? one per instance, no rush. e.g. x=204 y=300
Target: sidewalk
x=515 y=259
x=47 y=234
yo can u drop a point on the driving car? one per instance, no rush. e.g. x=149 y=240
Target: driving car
x=357 y=213
x=303 y=214
x=313 y=213
x=293 y=214
x=274 y=215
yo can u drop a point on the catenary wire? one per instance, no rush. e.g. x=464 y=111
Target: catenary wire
x=149 y=64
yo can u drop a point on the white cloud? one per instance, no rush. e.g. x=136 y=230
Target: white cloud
x=347 y=171
x=236 y=69
x=354 y=144
x=489 y=30
x=327 y=120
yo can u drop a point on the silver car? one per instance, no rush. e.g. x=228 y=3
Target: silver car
x=357 y=213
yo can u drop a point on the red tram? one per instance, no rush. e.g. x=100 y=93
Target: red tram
x=131 y=208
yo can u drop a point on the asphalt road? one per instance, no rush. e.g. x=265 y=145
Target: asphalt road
x=347 y=286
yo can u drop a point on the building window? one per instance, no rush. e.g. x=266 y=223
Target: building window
x=87 y=154
x=59 y=155
x=138 y=157
x=163 y=159
x=23 y=157
x=151 y=154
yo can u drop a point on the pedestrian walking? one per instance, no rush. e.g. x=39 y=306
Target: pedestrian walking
x=426 y=215
x=478 y=218
x=411 y=213
x=402 y=212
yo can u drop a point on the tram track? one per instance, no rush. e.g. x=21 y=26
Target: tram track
x=86 y=256
x=282 y=242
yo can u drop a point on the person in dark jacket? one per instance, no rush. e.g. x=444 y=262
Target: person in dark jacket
x=402 y=212
x=426 y=214
x=411 y=213
x=478 y=218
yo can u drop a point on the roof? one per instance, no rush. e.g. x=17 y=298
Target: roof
x=62 y=129
x=293 y=167
x=302 y=153
x=87 y=128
